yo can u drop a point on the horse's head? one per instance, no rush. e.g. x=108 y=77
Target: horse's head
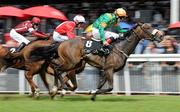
x=146 y=31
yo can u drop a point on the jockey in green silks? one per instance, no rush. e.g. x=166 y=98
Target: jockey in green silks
x=107 y=20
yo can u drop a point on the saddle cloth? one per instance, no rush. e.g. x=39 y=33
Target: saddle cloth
x=97 y=48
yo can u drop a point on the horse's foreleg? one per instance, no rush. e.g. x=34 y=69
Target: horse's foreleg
x=108 y=75
x=71 y=76
x=62 y=83
x=102 y=79
x=57 y=76
x=43 y=77
x=55 y=87
x=70 y=80
x=34 y=88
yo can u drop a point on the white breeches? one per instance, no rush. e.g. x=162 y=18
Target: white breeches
x=18 y=37
x=96 y=34
x=58 y=37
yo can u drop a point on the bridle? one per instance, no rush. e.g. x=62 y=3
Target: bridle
x=152 y=35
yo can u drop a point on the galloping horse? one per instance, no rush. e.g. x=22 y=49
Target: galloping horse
x=16 y=60
x=72 y=55
x=7 y=60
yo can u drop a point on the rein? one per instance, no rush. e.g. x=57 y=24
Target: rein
x=122 y=53
x=136 y=35
x=152 y=35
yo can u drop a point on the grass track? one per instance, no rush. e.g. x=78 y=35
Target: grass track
x=82 y=103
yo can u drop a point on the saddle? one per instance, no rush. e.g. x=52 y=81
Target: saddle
x=97 y=48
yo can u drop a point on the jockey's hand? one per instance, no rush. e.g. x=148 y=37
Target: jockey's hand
x=48 y=35
x=105 y=43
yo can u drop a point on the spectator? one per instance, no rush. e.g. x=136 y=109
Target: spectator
x=141 y=47
x=151 y=49
x=170 y=47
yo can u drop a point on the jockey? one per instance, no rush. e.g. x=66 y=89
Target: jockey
x=24 y=27
x=104 y=21
x=65 y=30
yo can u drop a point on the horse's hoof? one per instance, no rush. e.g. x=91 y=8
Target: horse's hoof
x=37 y=93
x=31 y=95
x=52 y=97
x=89 y=92
x=37 y=97
x=52 y=93
x=93 y=98
x=54 y=90
x=62 y=95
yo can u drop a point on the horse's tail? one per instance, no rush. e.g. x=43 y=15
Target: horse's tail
x=46 y=52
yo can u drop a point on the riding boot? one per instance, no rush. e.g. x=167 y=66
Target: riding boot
x=21 y=46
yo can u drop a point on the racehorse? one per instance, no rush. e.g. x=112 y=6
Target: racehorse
x=72 y=55
x=40 y=67
x=16 y=60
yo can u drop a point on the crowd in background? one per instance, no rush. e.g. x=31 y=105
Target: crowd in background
x=158 y=17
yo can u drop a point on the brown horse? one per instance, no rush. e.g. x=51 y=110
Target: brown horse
x=40 y=67
x=16 y=60
x=72 y=55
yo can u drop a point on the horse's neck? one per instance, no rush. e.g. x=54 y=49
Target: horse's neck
x=128 y=45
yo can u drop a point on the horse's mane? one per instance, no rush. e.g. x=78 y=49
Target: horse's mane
x=45 y=51
x=126 y=35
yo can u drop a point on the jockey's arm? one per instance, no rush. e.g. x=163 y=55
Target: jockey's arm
x=71 y=35
x=101 y=31
x=39 y=34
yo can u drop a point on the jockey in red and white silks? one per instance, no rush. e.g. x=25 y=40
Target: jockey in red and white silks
x=65 y=30
x=24 y=27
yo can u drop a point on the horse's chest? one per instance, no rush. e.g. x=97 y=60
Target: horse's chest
x=118 y=62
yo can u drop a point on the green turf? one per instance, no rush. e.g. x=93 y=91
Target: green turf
x=103 y=103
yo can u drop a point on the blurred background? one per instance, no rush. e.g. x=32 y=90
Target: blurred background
x=159 y=13
x=155 y=76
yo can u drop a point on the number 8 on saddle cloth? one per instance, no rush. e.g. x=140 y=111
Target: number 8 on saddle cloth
x=95 y=47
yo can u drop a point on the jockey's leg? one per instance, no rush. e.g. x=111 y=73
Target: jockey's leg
x=21 y=46
x=111 y=36
x=58 y=37
x=19 y=38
